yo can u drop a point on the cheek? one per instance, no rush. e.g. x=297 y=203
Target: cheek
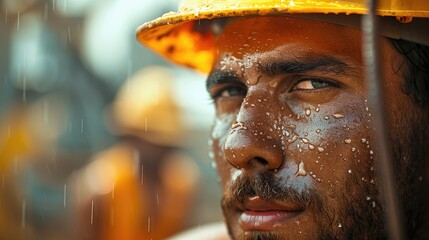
x=333 y=142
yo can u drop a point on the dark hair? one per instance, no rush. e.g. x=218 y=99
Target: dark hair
x=416 y=71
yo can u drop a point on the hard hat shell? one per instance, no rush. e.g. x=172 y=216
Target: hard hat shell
x=145 y=107
x=186 y=38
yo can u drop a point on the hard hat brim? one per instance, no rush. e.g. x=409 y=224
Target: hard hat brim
x=185 y=38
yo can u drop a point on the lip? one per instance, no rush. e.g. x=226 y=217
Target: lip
x=261 y=215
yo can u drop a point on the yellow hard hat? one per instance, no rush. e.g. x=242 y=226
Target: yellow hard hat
x=184 y=37
x=145 y=108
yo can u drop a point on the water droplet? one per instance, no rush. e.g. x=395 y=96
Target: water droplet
x=236 y=124
x=317 y=109
x=371 y=152
x=286 y=133
x=213 y=164
x=307 y=112
x=340 y=225
x=81 y=125
x=293 y=139
x=65 y=195
x=320 y=149
x=311 y=147
x=273 y=83
x=157 y=199
x=353 y=149
x=363 y=140
x=368 y=198
x=349 y=171
x=23 y=215
x=373 y=204
x=304 y=140
x=142 y=176
x=367 y=109
x=318 y=131
x=338 y=115
x=92 y=211
x=348 y=140
x=301 y=171
x=17 y=21
x=326 y=117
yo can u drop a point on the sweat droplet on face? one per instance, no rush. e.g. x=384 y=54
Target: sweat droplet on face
x=213 y=165
x=237 y=124
x=307 y=112
x=337 y=115
x=293 y=139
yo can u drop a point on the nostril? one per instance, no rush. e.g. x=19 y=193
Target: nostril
x=258 y=161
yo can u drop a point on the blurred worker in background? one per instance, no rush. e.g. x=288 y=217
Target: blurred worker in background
x=294 y=139
x=143 y=186
x=35 y=163
x=15 y=143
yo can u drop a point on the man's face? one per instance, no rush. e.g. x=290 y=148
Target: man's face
x=292 y=140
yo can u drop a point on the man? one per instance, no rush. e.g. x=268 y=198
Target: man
x=293 y=138
x=134 y=183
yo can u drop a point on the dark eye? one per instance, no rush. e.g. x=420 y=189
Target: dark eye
x=312 y=84
x=230 y=91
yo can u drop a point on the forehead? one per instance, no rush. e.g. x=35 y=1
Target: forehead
x=294 y=35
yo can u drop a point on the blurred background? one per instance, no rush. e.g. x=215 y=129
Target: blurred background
x=99 y=137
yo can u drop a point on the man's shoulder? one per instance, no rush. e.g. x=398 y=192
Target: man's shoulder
x=212 y=231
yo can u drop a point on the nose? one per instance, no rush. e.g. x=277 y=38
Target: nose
x=252 y=143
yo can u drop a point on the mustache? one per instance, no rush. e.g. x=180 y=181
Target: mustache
x=266 y=186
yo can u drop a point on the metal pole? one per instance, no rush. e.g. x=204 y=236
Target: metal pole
x=376 y=101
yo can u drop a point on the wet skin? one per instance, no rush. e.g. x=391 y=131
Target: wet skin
x=292 y=139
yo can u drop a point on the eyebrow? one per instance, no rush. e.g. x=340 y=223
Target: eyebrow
x=324 y=64
x=219 y=77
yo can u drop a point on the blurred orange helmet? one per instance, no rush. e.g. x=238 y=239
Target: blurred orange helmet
x=145 y=107
x=185 y=38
